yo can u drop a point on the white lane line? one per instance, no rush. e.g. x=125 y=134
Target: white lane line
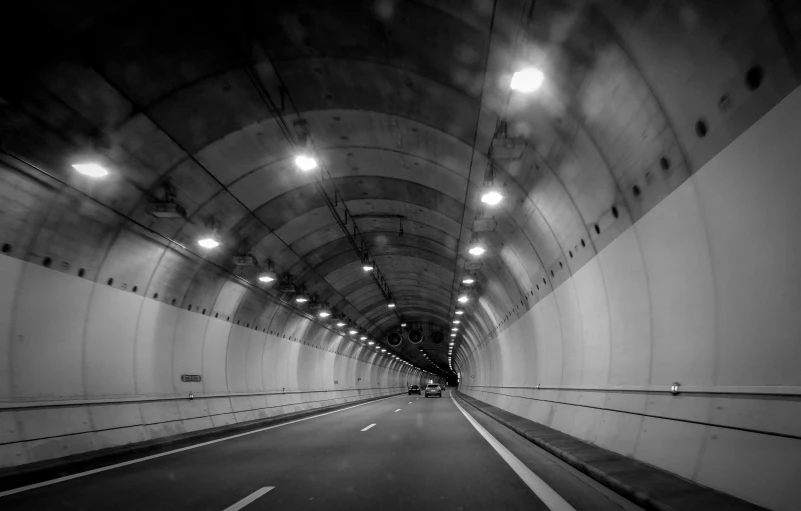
x=368 y=427
x=410 y=402
x=396 y=411
x=540 y=488
x=154 y=456
x=250 y=498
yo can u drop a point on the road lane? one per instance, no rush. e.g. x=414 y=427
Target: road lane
x=389 y=454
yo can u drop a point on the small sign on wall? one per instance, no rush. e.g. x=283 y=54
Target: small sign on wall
x=191 y=378
x=336 y=382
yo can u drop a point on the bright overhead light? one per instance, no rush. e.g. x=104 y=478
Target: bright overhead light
x=367 y=267
x=403 y=324
x=456 y=321
x=468 y=280
x=267 y=276
x=454 y=329
x=305 y=163
x=324 y=313
x=391 y=305
x=453 y=335
x=491 y=197
x=363 y=338
x=459 y=312
x=90 y=169
x=477 y=249
x=302 y=298
x=464 y=298
x=340 y=324
x=208 y=242
x=527 y=80
x=383 y=350
x=370 y=342
x=353 y=331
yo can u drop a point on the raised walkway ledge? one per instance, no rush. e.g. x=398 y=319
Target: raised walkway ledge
x=649 y=487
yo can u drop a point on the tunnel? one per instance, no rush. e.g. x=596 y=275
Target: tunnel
x=235 y=235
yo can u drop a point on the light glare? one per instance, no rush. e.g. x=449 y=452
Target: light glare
x=305 y=163
x=477 y=250
x=208 y=242
x=527 y=80
x=90 y=169
x=492 y=198
x=463 y=298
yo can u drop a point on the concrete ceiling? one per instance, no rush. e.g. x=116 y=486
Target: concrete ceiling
x=401 y=100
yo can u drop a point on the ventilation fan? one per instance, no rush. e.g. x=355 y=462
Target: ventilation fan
x=394 y=339
x=437 y=337
x=416 y=336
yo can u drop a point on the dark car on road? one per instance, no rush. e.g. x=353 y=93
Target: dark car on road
x=432 y=389
x=414 y=389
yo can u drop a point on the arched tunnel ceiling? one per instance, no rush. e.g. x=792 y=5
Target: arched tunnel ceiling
x=401 y=100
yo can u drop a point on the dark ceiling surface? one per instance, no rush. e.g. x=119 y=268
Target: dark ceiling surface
x=401 y=100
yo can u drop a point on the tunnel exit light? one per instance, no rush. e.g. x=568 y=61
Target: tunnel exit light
x=208 y=242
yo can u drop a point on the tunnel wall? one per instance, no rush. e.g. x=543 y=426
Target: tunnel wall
x=704 y=290
x=87 y=366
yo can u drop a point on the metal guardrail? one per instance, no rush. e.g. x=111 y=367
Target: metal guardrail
x=674 y=389
x=10 y=405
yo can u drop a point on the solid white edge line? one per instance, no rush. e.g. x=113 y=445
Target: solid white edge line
x=370 y=426
x=154 y=456
x=546 y=494
x=250 y=498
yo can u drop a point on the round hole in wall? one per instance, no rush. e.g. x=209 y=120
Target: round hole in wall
x=110 y=282
x=701 y=128
x=582 y=243
x=551 y=273
x=248 y=325
x=173 y=301
x=560 y=264
x=81 y=272
x=570 y=253
x=615 y=212
x=216 y=314
x=204 y=311
x=135 y=289
x=664 y=163
x=753 y=77
x=6 y=248
x=538 y=287
x=229 y=318
x=635 y=190
x=544 y=281
x=47 y=262
x=597 y=229
x=237 y=321
x=155 y=296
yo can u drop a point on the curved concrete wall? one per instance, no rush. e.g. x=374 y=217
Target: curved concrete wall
x=86 y=366
x=704 y=290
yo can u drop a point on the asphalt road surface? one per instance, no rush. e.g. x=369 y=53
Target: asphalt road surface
x=400 y=453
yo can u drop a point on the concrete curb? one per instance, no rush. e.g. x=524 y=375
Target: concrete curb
x=31 y=473
x=686 y=495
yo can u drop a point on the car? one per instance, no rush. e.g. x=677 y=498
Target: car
x=432 y=389
x=414 y=389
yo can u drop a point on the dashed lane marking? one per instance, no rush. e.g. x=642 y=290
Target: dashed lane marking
x=368 y=427
x=396 y=411
x=250 y=498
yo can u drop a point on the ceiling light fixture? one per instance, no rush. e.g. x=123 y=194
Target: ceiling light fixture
x=324 y=313
x=305 y=163
x=363 y=338
x=370 y=342
x=391 y=305
x=208 y=243
x=527 y=80
x=367 y=267
x=453 y=335
x=302 y=298
x=464 y=298
x=341 y=323
x=477 y=248
x=456 y=321
x=90 y=169
x=459 y=312
x=491 y=196
x=353 y=331
x=454 y=329
x=468 y=280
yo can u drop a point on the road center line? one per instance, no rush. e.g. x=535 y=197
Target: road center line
x=368 y=427
x=250 y=498
x=154 y=456
x=396 y=411
x=540 y=488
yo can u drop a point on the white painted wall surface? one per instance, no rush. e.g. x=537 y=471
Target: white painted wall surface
x=704 y=290
x=66 y=340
